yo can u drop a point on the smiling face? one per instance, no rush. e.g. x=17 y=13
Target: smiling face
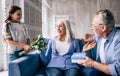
x=61 y=29
x=17 y=15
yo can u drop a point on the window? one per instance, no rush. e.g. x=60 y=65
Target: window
x=32 y=14
x=26 y=13
x=44 y=22
x=56 y=19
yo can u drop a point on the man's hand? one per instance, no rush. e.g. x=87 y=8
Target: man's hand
x=87 y=62
x=89 y=46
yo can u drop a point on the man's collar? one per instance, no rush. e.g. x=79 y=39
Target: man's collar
x=111 y=35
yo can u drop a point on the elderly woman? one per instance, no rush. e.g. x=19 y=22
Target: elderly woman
x=62 y=47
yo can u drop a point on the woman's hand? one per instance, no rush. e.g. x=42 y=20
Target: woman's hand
x=89 y=46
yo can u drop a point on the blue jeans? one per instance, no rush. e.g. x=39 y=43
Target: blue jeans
x=15 y=55
x=51 y=71
x=93 y=72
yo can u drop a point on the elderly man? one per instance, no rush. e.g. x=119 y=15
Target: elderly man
x=107 y=38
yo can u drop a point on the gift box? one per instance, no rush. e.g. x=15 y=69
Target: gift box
x=76 y=57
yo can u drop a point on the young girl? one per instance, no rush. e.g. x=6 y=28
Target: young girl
x=15 y=33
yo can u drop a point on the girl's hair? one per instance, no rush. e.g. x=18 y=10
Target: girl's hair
x=69 y=33
x=12 y=10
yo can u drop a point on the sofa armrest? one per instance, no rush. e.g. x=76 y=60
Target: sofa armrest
x=27 y=65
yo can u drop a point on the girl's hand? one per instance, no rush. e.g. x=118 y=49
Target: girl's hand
x=27 y=48
x=28 y=41
x=89 y=46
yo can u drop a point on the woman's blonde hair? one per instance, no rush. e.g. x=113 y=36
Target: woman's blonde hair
x=69 y=34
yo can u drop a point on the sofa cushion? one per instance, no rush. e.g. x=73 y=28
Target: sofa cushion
x=28 y=65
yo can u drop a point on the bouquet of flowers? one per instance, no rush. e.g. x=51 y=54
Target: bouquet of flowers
x=37 y=44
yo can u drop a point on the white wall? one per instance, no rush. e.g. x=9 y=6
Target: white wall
x=3 y=54
x=81 y=13
x=78 y=11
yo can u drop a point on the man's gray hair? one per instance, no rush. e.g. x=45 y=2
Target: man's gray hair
x=106 y=17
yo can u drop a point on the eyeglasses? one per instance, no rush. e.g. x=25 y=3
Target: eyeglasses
x=97 y=24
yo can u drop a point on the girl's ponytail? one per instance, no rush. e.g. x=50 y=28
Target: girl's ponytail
x=12 y=10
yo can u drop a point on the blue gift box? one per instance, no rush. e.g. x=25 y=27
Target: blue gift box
x=77 y=57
